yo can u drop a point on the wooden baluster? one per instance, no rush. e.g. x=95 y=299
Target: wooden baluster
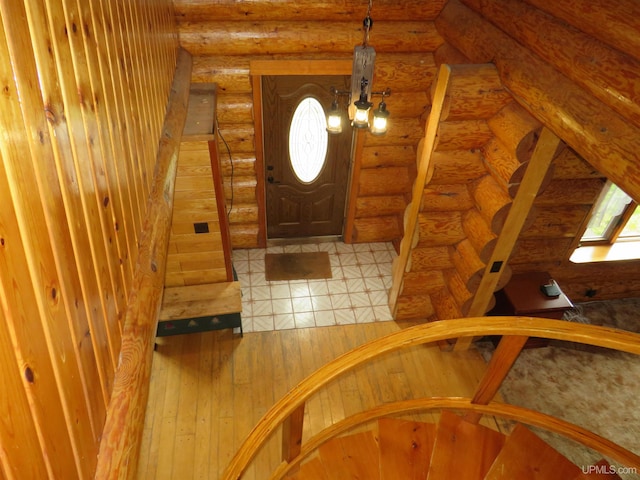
x=501 y=362
x=292 y=434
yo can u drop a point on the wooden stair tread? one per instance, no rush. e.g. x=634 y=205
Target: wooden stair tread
x=311 y=470
x=463 y=450
x=193 y=301
x=526 y=456
x=602 y=471
x=352 y=457
x=405 y=448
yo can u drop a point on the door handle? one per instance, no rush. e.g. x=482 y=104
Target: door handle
x=271 y=180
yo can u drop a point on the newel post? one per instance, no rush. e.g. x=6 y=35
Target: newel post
x=501 y=362
x=292 y=434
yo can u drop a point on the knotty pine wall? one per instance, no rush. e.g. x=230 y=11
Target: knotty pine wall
x=574 y=65
x=224 y=37
x=84 y=91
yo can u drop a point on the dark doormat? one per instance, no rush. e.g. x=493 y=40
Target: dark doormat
x=297 y=266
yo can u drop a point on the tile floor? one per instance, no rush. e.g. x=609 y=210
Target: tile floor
x=357 y=293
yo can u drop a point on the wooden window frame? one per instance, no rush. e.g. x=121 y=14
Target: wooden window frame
x=613 y=232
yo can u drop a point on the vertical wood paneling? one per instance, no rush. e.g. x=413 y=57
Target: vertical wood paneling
x=27 y=169
x=78 y=157
x=20 y=430
x=85 y=87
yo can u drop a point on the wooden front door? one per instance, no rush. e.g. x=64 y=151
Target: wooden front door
x=303 y=198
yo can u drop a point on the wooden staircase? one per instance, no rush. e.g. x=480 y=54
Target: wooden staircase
x=454 y=448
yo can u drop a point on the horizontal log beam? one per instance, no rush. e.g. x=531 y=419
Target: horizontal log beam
x=414 y=307
x=600 y=135
x=230 y=74
x=429 y=258
x=447 y=53
x=277 y=37
x=234 y=108
x=615 y=23
x=479 y=233
x=462 y=135
x=608 y=74
x=377 y=229
x=440 y=228
x=457 y=166
x=475 y=92
x=576 y=191
x=445 y=306
x=375 y=181
x=517 y=130
x=401 y=131
x=446 y=198
x=531 y=250
x=422 y=282
x=492 y=202
x=557 y=221
x=306 y=10
x=388 y=156
x=408 y=72
x=380 y=206
x=568 y=164
x=244 y=235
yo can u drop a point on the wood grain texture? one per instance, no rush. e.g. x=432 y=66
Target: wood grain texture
x=233 y=398
x=615 y=24
x=431 y=333
x=525 y=455
x=576 y=54
x=196 y=256
x=552 y=98
x=305 y=10
x=277 y=37
x=475 y=92
x=123 y=428
x=86 y=88
x=456 y=438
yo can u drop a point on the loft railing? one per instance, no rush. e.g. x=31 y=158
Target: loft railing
x=122 y=432
x=289 y=411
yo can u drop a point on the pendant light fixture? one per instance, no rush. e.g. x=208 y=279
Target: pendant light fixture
x=359 y=97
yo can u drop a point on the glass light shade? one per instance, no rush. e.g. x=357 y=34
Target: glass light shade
x=361 y=117
x=380 y=117
x=334 y=120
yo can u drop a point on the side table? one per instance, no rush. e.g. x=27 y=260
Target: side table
x=522 y=297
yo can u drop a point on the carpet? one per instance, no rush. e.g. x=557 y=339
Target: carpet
x=592 y=387
x=297 y=266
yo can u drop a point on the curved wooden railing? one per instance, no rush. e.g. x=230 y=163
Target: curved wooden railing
x=289 y=411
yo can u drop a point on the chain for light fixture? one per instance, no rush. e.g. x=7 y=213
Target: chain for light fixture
x=359 y=96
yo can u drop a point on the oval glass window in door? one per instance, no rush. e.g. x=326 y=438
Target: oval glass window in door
x=308 y=140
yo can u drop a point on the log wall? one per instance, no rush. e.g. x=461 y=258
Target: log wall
x=462 y=212
x=572 y=65
x=226 y=38
x=85 y=88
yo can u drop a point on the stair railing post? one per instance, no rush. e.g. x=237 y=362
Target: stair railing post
x=501 y=362
x=292 y=434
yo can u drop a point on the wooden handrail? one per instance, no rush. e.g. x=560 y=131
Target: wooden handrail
x=122 y=433
x=427 y=333
x=503 y=410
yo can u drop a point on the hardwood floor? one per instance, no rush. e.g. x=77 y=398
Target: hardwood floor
x=209 y=389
